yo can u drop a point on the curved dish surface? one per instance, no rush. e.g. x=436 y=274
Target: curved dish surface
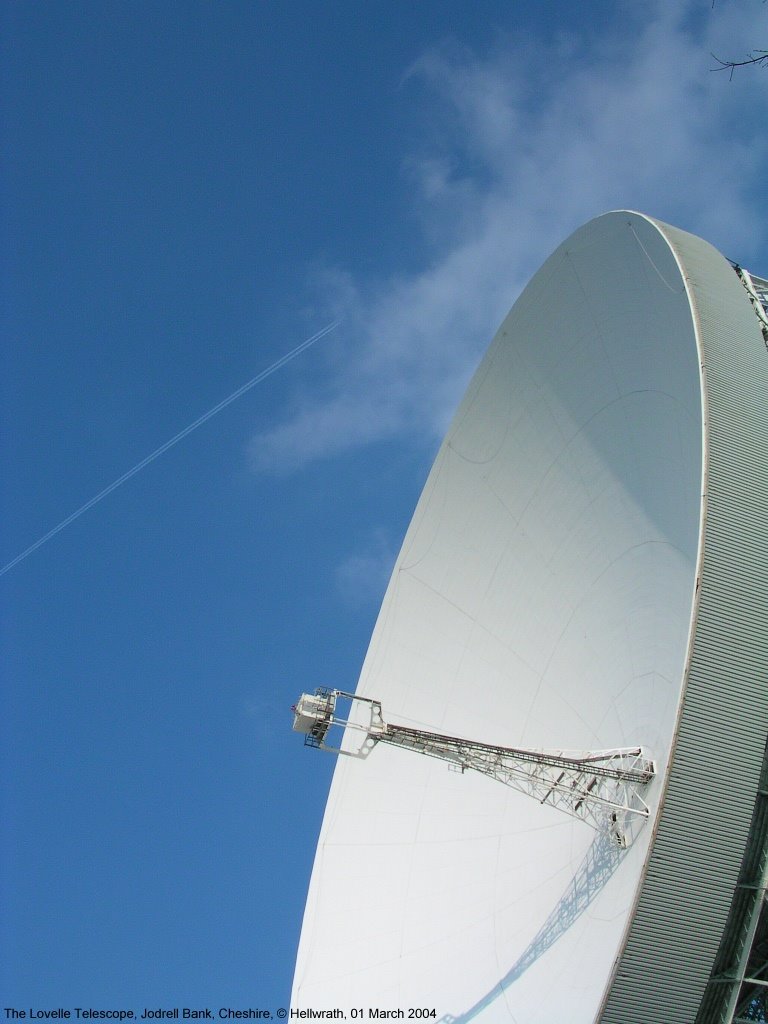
x=544 y=597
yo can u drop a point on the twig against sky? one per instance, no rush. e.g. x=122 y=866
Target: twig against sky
x=277 y=365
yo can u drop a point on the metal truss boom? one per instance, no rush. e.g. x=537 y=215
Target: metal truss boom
x=602 y=788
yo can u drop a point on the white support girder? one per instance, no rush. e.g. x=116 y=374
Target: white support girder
x=602 y=788
x=757 y=290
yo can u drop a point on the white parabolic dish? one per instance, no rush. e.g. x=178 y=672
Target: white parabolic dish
x=546 y=595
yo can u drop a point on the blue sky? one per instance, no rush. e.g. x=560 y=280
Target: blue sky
x=189 y=191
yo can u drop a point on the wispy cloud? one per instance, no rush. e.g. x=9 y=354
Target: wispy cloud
x=534 y=139
x=362 y=577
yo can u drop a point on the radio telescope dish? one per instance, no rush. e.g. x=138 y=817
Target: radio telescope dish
x=585 y=570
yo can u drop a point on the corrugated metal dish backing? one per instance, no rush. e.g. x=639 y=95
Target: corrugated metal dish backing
x=712 y=783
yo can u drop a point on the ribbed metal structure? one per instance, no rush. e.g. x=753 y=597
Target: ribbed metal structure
x=735 y=986
x=712 y=786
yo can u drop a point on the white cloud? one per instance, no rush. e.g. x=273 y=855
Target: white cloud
x=534 y=140
x=363 y=576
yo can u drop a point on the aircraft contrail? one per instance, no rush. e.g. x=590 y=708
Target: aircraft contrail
x=169 y=444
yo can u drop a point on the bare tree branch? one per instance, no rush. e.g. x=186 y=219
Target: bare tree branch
x=759 y=57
